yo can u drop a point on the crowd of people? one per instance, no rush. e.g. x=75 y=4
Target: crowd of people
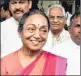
x=33 y=43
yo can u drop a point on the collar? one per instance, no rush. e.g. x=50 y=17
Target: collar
x=62 y=34
x=15 y=21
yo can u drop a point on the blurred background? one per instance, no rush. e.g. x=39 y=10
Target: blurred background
x=70 y=5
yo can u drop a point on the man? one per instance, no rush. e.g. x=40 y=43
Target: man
x=9 y=37
x=4 y=11
x=58 y=34
x=71 y=48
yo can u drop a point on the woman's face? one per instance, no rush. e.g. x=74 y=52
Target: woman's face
x=35 y=32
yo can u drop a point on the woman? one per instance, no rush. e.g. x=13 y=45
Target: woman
x=30 y=59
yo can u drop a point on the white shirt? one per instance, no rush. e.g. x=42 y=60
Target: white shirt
x=64 y=35
x=10 y=40
x=52 y=41
x=71 y=51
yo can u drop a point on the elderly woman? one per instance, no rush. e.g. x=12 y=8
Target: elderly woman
x=30 y=59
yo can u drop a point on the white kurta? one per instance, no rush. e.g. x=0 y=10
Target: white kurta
x=71 y=51
x=52 y=41
x=10 y=40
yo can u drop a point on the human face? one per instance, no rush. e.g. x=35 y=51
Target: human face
x=2 y=12
x=19 y=7
x=75 y=30
x=35 y=32
x=57 y=19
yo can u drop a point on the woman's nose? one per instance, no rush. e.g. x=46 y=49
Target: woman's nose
x=37 y=34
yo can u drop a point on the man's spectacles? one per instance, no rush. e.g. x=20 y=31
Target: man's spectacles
x=58 y=17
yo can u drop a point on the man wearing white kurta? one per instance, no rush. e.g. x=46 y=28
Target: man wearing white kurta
x=71 y=48
x=10 y=40
x=52 y=41
x=71 y=51
x=57 y=33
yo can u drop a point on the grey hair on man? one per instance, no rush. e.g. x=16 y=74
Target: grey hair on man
x=57 y=6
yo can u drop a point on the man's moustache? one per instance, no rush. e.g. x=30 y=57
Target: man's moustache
x=18 y=11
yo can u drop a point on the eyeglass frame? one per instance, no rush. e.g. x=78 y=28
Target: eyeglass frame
x=58 y=17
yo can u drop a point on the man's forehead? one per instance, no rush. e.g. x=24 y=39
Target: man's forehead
x=57 y=11
x=76 y=20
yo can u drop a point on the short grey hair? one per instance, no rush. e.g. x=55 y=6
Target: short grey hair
x=57 y=6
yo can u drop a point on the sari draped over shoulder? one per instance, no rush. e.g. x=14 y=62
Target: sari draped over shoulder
x=46 y=64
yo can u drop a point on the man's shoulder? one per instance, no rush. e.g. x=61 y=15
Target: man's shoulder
x=66 y=32
x=62 y=49
x=62 y=46
x=7 y=21
x=63 y=43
